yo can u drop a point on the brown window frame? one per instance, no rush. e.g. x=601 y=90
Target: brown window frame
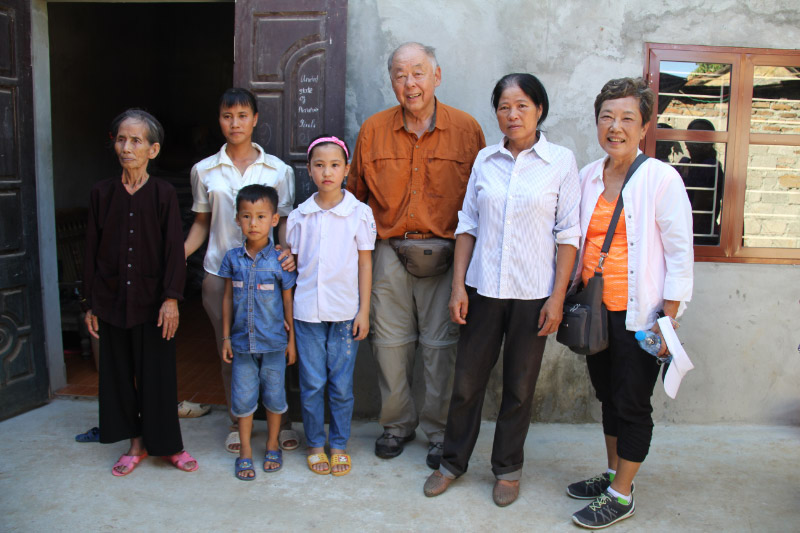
x=737 y=138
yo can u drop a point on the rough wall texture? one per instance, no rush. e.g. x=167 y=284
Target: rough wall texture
x=741 y=326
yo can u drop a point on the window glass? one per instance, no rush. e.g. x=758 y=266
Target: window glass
x=776 y=100
x=690 y=91
x=772 y=197
x=701 y=165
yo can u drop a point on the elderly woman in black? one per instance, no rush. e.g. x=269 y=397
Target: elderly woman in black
x=133 y=278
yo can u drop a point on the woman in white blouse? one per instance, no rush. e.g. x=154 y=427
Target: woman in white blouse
x=648 y=271
x=516 y=241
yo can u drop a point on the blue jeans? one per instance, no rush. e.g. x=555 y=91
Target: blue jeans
x=327 y=355
x=251 y=370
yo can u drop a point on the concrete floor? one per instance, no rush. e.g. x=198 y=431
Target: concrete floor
x=698 y=478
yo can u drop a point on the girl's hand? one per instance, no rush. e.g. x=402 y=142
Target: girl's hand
x=168 y=318
x=286 y=259
x=91 y=324
x=550 y=316
x=459 y=304
x=361 y=325
x=291 y=353
x=227 y=351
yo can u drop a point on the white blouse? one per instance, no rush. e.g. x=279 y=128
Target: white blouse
x=215 y=183
x=519 y=210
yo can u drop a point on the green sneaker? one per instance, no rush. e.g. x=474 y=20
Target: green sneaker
x=603 y=511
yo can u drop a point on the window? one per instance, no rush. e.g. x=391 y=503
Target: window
x=728 y=120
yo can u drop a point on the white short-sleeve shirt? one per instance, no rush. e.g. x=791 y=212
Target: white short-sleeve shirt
x=215 y=183
x=326 y=244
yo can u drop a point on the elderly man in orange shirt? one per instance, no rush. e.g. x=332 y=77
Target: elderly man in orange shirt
x=411 y=164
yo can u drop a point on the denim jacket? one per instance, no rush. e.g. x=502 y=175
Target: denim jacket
x=257 y=299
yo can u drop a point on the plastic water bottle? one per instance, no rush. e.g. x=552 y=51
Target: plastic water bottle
x=649 y=341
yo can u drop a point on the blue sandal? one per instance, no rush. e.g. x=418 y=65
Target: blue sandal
x=93 y=435
x=273 y=457
x=244 y=464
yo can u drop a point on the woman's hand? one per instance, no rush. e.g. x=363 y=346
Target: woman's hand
x=91 y=324
x=459 y=304
x=550 y=315
x=286 y=259
x=361 y=325
x=663 y=352
x=168 y=318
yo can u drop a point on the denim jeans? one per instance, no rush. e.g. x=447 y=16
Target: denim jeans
x=327 y=356
x=251 y=370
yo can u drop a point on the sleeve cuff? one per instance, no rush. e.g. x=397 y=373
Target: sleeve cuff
x=678 y=289
x=198 y=207
x=466 y=225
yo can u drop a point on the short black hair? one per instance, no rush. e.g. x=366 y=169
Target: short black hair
x=254 y=193
x=345 y=151
x=155 y=131
x=238 y=96
x=530 y=85
x=623 y=88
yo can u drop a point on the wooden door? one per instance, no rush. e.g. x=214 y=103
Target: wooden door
x=291 y=55
x=24 y=382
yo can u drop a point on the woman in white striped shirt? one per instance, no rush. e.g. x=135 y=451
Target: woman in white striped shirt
x=517 y=237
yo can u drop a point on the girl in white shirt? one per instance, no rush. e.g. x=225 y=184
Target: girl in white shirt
x=332 y=235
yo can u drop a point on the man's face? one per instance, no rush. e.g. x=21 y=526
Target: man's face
x=414 y=80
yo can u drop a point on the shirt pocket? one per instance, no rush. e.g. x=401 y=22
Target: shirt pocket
x=446 y=173
x=388 y=174
x=267 y=287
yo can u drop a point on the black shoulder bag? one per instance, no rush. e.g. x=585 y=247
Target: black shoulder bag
x=584 y=326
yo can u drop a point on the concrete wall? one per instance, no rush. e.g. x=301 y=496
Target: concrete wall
x=740 y=328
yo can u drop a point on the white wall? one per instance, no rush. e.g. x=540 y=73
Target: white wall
x=741 y=329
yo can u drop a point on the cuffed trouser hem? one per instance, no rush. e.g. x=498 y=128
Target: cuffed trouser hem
x=449 y=470
x=508 y=475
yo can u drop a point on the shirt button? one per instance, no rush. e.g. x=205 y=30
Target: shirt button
x=131 y=213
x=508 y=222
x=129 y=265
x=417 y=146
x=412 y=215
x=505 y=247
x=131 y=231
x=130 y=249
x=129 y=282
x=416 y=169
x=413 y=192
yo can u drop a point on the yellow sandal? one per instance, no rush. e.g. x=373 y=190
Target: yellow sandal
x=319 y=458
x=341 y=459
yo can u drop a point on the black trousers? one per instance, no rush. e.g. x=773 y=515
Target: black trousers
x=624 y=377
x=489 y=320
x=138 y=388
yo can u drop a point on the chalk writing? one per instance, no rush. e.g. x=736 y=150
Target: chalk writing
x=309 y=79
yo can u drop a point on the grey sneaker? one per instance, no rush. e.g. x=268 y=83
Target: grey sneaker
x=603 y=511
x=434 y=458
x=591 y=488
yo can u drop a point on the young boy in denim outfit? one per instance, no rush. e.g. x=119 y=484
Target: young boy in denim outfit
x=257 y=301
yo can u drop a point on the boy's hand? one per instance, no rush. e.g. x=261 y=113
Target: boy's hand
x=291 y=353
x=286 y=259
x=227 y=351
x=361 y=325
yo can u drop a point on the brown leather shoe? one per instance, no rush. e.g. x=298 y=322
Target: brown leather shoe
x=436 y=484
x=503 y=494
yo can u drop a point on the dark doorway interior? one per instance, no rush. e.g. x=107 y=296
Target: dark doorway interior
x=172 y=59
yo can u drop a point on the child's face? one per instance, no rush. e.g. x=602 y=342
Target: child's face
x=237 y=123
x=256 y=219
x=328 y=167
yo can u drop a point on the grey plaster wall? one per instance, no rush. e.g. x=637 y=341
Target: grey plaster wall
x=741 y=328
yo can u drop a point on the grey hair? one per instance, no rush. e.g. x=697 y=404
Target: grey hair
x=430 y=51
x=155 y=131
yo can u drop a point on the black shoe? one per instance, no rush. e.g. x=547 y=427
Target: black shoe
x=589 y=489
x=434 y=458
x=389 y=446
x=603 y=511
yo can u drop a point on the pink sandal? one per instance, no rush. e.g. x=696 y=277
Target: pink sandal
x=129 y=462
x=180 y=460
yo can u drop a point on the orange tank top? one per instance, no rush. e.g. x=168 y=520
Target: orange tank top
x=615 y=267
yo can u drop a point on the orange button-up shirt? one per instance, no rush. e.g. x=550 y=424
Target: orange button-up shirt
x=415 y=184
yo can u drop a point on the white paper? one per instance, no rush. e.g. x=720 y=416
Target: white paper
x=681 y=364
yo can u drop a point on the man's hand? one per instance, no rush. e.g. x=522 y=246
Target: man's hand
x=91 y=324
x=459 y=304
x=168 y=318
x=550 y=316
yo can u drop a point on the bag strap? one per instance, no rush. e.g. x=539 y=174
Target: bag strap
x=641 y=158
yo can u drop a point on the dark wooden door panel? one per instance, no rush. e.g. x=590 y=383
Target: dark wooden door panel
x=291 y=55
x=23 y=368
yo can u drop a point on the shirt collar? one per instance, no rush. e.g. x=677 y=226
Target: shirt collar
x=542 y=148
x=265 y=251
x=342 y=209
x=400 y=119
x=222 y=157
